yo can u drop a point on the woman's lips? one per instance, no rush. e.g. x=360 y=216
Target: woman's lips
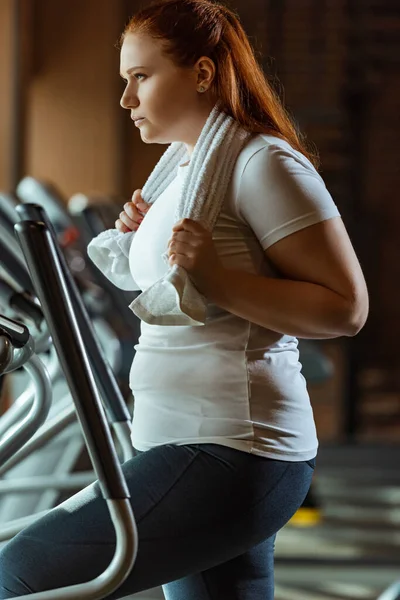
x=139 y=122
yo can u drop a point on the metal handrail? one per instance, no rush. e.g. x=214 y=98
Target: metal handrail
x=391 y=593
x=22 y=431
x=51 y=286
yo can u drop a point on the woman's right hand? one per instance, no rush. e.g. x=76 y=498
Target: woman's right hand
x=133 y=213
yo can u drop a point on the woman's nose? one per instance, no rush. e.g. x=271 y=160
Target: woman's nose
x=124 y=101
x=127 y=101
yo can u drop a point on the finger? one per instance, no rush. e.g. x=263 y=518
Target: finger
x=121 y=227
x=181 y=248
x=143 y=207
x=139 y=203
x=185 y=236
x=136 y=196
x=189 y=225
x=179 y=259
x=133 y=213
x=188 y=240
x=128 y=222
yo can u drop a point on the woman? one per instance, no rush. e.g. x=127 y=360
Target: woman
x=222 y=420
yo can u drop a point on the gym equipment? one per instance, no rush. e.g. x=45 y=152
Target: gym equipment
x=391 y=593
x=61 y=453
x=60 y=313
x=16 y=338
x=105 y=379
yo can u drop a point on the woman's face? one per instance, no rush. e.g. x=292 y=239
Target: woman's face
x=165 y=95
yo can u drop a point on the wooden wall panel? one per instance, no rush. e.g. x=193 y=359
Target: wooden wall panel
x=5 y=92
x=74 y=111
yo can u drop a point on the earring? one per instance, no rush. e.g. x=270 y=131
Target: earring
x=202 y=89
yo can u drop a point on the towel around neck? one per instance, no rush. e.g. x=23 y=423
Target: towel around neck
x=174 y=299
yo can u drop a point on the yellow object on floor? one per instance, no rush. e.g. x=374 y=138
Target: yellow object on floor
x=306 y=517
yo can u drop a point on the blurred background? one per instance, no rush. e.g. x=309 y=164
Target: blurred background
x=336 y=65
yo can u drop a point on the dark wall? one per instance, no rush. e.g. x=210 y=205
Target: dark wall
x=338 y=61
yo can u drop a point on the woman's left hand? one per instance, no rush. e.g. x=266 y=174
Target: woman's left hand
x=191 y=247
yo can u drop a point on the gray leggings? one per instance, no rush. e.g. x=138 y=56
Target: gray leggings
x=207 y=518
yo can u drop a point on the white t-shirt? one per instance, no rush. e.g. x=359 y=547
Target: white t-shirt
x=229 y=382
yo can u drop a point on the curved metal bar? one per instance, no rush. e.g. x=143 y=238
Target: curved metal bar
x=50 y=429
x=24 y=401
x=17 y=409
x=391 y=593
x=17 y=436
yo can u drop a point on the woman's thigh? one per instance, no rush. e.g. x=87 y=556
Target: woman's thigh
x=195 y=507
x=249 y=576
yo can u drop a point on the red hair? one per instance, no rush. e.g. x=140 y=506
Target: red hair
x=190 y=29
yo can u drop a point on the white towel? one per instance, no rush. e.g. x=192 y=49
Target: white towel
x=110 y=253
x=174 y=299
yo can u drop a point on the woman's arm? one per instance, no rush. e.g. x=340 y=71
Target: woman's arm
x=323 y=293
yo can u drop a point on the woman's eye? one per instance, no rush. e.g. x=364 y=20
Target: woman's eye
x=126 y=81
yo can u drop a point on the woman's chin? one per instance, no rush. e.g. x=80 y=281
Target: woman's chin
x=153 y=139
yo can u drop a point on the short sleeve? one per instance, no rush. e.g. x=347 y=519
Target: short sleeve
x=280 y=192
